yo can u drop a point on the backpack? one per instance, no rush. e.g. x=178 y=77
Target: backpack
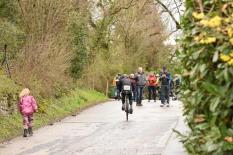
x=141 y=80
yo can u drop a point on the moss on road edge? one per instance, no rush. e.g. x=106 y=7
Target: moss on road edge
x=55 y=110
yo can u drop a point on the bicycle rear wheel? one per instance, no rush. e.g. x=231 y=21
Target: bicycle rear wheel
x=127 y=108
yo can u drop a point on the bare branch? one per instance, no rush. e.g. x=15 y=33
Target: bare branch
x=172 y=32
x=177 y=7
x=153 y=34
x=178 y=26
x=91 y=22
x=123 y=8
x=200 y=5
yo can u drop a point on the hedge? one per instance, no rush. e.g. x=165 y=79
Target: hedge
x=206 y=56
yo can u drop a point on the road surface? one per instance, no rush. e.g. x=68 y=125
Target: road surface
x=102 y=130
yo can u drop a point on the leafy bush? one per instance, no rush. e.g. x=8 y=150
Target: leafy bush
x=8 y=10
x=207 y=60
x=78 y=30
x=10 y=32
x=8 y=95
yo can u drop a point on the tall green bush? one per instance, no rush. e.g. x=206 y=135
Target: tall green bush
x=10 y=32
x=8 y=10
x=78 y=31
x=207 y=60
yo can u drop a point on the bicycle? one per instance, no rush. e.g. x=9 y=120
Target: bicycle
x=127 y=90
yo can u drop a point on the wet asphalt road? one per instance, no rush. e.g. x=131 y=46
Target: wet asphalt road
x=102 y=130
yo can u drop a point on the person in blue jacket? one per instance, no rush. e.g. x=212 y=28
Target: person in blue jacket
x=165 y=81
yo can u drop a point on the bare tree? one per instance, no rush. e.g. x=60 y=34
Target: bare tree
x=174 y=11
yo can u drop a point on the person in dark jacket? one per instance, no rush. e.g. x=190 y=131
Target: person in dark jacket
x=126 y=81
x=171 y=87
x=164 y=81
x=118 y=78
x=133 y=80
x=168 y=76
x=141 y=83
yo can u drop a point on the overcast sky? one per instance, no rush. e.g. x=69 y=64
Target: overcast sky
x=168 y=22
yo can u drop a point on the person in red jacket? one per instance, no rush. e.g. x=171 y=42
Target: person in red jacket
x=152 y=82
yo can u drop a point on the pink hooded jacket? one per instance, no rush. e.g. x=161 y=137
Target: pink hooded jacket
x=27 y=105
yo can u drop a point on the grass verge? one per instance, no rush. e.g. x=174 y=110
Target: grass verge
x=55 y=109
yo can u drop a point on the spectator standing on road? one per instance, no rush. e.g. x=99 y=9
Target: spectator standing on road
x=164 y=81
x=168 y=75
x=152 y=87
x=118 y=89
x=133 y=80
x=141 y=83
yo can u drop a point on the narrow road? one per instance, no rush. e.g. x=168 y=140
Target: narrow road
x=102 y=130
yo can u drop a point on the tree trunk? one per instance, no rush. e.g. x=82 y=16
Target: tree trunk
x=107 y=88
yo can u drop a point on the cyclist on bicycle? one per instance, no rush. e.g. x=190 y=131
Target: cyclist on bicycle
x=126 y=81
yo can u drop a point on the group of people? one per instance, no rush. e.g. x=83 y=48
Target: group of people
x=160 y=86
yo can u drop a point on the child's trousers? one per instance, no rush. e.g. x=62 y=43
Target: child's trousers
x=27 y=121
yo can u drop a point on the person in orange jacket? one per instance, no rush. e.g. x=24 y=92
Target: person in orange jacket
x=152 y=83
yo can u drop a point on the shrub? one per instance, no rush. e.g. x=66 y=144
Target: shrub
x=8 y=95
x=207 y=60
x=78 y=30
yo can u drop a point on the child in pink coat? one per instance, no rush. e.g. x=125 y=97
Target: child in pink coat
x=27 y=106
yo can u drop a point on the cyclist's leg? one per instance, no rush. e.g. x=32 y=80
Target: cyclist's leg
x=130 y=98
x=123 y=100
x=130 y=102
